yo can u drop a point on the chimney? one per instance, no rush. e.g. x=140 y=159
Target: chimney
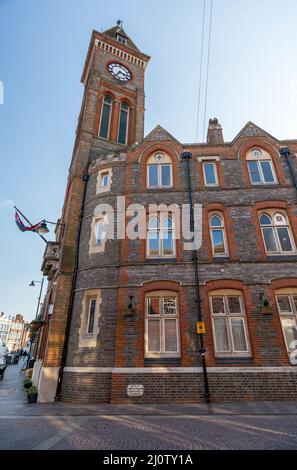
x=215 y=132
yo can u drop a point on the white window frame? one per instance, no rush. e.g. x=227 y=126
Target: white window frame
x=232 y=352
x=121 y=39
x=271 y=215
x=214 y=164
x=161 y=295
x=95 y=247
x=223 y=228
x=290 y=293
x=264 y=157
x=167 y=162
x=160 y=230
x=89 y=340
x=101 y=174
x=89 y=312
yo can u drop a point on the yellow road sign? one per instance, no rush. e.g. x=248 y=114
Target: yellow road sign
x=201 y=328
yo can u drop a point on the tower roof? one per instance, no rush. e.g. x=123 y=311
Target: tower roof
x=118 y=29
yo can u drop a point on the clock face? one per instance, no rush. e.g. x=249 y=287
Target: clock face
x=119 y=72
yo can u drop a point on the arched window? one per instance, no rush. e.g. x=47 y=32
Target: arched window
x=229 y=323
x=160 y=237
x=159 y=171
x=123 y=123
x=276 y=233
x=260 y=167
x=287 y=306
x=105 y=117
x=218 y=235
x=162 y=324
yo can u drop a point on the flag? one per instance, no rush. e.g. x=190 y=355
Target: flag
x=23 y=227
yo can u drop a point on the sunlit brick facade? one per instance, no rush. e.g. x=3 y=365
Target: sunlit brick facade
x=128 y=308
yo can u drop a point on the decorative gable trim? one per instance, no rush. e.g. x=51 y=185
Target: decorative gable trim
x=252 y=130
x=159 y=134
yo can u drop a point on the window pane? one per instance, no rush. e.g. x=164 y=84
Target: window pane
x=269 y=239
x=239 y=340
x=210 y=174
x=153 y=336
x=105 y=121
x=290 y=331
x=153 y=306
x=218 y=241
x=153 y=175
x=169 y=306
x=92 y=308
x=167 y=241
x=167 y=223
x=104 y=180
x=170 y=336
x=154 y=243
x=165 y=175
x=295 y=301
x=216 y=221
x=265 y=220
x=221 y=335
x=99 y=233
x=267 y=172
x=123 y=126
x=234 y=304
x=284 y=305
x=153 y=223
x=284 y=239
x=218 y=305
x=254 y=172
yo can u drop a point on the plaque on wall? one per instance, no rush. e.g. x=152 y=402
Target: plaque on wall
x=135 y=390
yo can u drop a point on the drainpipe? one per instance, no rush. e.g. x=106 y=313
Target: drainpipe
x=285 y=152
x=187 y=156
x=69 y=315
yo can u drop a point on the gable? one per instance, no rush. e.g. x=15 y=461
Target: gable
x=252 y=130
x=159 y=134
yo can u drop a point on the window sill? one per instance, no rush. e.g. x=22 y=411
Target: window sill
x=234 y=360
x=160 y=260
x=221 y=259
x=282 y=256
x=162 y=361
x=264 y=185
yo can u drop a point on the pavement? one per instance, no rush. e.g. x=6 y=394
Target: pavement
x=61 y=426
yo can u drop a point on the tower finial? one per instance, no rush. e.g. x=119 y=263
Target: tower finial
x=120 y=23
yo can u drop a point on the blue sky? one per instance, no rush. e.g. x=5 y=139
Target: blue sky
x=253 y=76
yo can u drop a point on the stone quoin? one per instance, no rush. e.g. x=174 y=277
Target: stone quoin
x=121 y=315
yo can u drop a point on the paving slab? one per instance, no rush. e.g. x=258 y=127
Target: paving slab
x=68 y=426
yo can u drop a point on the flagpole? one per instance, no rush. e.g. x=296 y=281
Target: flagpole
x=18 y=210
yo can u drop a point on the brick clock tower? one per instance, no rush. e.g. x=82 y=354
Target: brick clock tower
x=110 y=120
x=113 y=76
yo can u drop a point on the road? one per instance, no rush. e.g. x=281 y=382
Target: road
x=256 y=426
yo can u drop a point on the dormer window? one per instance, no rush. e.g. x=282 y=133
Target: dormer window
x=121 y=39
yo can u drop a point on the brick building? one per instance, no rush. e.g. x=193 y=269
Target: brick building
x=121 y=313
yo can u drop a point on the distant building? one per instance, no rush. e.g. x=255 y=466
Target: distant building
x=14 y=332
x=5 y=323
